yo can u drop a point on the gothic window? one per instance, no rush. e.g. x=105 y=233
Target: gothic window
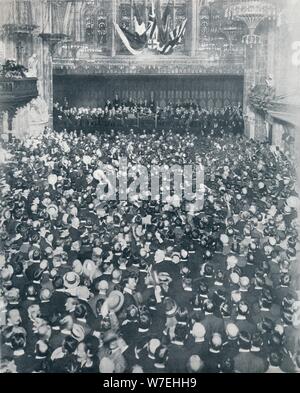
x=95 y=26
x=204 y=23
x=125 y=15
x=101 y=29
x=89 y=27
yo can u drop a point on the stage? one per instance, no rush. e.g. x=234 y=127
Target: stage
x=210 y=92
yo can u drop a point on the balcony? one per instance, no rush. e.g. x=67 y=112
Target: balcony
x=16 y=93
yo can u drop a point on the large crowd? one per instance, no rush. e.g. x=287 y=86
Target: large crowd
x=142 y=286
x=148 y=115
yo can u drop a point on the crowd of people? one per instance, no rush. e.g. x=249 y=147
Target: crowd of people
x=148 y=115
x=141 y=286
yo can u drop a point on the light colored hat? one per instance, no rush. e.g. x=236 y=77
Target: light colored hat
x=2 y=261
x=103 y=286
x=170 y=306
x=58 y=251
x=13 y=295
x=234 y=278
x=224 y=238
x=97 y=251
x=244 y=283
x=136 y=369
x=14 y=316
x=236 y=296
x=153 y=344
x=75 y=222
x=232 y=330
x=195 y=363
x=176 y=258
x=115 y=301
x=198 y=330
x=143 y=253
x=52 y=210
x=231 y=261
x=116 y=276
x=45 y=294
x=44 y=264
x=89 y=268
x=83 y=293
x=184 y=254
x=106 y=366
x=7 y=272
x=71 y=280
x=78 y=332
x=216 y=339
x=77 y=266
x=159 y=256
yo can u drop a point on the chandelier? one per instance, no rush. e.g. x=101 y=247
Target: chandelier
x=252 y=13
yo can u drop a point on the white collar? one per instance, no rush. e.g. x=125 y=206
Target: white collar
x=86 y=363
x=159 y=365
x=199 y=340
x=128 y=290
x=274 y=368
x=19 y=352
x=264 y=309
x=143 y=330
x=177 y=343
x=66 y=332
x=213 y=350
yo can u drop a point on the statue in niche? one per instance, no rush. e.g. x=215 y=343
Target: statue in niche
x=101 y=30
x=32 y=66
x=38 y=111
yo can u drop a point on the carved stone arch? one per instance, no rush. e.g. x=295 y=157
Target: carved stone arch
x=204 y=20
x=101 y=21
x=92 y=13
x=86 y=13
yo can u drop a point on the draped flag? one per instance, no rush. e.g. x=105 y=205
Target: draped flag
x=175 y=38
x=139 y=25
x=163 y=24
x=157 y=36
x=152 y=28
x=133 y=41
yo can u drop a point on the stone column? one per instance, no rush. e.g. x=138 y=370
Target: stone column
x=114 y=6
x=249 y=81
x=193 y=12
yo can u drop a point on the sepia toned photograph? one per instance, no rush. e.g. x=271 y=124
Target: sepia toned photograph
x=149 y=189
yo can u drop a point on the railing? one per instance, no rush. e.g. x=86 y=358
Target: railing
x=15 y=89
x=149 y=65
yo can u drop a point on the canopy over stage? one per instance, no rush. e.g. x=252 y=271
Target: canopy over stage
x=210 y=91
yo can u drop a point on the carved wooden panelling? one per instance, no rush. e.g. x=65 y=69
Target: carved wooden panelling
x=208 y=91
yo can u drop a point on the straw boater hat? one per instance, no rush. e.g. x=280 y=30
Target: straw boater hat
x=115 y=301
x=71 y=280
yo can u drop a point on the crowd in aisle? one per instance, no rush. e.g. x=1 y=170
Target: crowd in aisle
x=141 y=286
x=147 y=114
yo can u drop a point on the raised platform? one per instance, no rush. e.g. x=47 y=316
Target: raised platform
x=16 y=93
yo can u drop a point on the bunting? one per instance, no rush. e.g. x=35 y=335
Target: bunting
x=157 y=36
